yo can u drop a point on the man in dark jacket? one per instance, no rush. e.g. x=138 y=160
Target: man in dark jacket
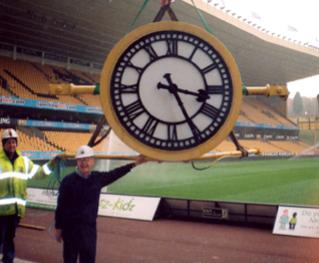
x=78 y=200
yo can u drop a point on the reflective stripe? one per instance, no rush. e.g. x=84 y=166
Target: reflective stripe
x=26 y=164
x=34 y=170
x=7 y=175
x=46 y=169
x=15 y=200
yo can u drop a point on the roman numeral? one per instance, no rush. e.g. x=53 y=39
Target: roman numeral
x=195 y=131
x=134 y=109
x=150 y=126
x=151 y=52
x=138 y=69
x=217 y=89
x=129 y=88
x=209 y=110
x=193 y=53
x=171 y=132
x=209 y=68
x=171 y=47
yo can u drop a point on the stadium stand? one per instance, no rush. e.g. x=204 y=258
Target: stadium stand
x=29 y=142
x=54 y=141
x=266 y=146
x=258 y=113
x=260 y=125
x=31 y=81
x=69 y=141
x=290 y=146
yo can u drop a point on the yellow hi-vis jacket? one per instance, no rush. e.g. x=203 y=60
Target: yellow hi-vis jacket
x=13 y=182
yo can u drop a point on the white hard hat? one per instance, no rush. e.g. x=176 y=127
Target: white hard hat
x=83 y=152
x=9 y=133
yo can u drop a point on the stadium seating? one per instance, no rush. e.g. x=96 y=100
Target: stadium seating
x=69 y=141
x=31 y=80
x=65 y=141
x=290 y=146
x=29 y=143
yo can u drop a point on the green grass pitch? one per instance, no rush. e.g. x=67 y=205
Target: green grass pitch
x=281 y=181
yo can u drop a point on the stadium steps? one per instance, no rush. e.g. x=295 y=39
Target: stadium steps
x=28 y=130
x=34 y=132
x=246 y=116
x=287 y=120
x=278 y=146
x=88 y=77
x=59 y=147
x=33 y=142
x=5 y=85
x=272 y=114
x=43 y=137
x=92 y=100
x=40 y=70
x=78 y=99
x=78 y=79
x=4 y=82
x=28 y=88
x=69 y=77
x=81 y=99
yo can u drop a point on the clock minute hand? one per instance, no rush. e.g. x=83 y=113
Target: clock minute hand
x=202 y=95
x=190 y=123
x=172 y=88
x=163 y=86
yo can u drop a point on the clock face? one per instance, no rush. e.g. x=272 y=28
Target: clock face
x=170 y=91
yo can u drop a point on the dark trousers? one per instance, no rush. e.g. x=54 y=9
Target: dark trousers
x=8 y=226
x=79 y=241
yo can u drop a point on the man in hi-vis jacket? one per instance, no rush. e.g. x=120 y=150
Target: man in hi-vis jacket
x=15 y=170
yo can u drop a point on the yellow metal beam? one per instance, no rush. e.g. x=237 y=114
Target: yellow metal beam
x=268 y=90
x=204 y=157
x=71 y=89
x=232 y=154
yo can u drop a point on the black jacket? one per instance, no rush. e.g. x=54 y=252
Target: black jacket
x=78 y=198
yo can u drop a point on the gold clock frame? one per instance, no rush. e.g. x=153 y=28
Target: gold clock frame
x=130 y=140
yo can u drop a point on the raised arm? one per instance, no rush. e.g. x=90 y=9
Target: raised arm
x=110 y=177
x=36 y=171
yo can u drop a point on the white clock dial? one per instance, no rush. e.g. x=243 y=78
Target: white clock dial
x=171 y=90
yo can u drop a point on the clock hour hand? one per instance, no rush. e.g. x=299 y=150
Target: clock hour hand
x=167 y=76
x=163 y=86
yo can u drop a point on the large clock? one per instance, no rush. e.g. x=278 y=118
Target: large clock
x=170 y=90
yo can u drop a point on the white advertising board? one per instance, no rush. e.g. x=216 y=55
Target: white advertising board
x=297 y=221
x=133 y=207
x=124 y=206
x=42 y=196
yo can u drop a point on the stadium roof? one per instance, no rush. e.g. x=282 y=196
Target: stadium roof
x=87 y=29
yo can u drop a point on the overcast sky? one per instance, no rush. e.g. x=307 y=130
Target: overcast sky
x=293 y=18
